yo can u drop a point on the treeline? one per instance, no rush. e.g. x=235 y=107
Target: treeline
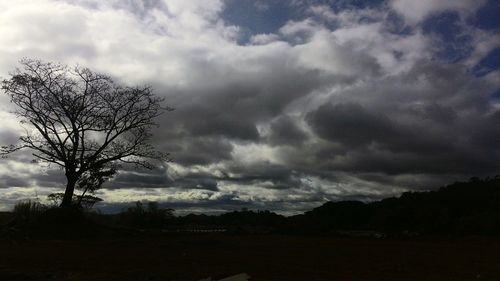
x=462 y=208
x=149 y=216
x=471 y=207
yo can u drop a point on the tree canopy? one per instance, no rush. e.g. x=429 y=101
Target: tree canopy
x=82 y=121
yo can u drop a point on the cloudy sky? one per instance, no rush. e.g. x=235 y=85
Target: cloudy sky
x=280 y=105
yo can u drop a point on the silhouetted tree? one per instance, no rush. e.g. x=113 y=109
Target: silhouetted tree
x=150 y=217
x=83 y=201
x=82 y=121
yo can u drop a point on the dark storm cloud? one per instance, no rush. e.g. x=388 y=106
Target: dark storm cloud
x=429 y=120
x=285 y=131
x=350 y=124
x=233 y=110
x=487 y=133
x=188 y=150
x=456 y=162
x=222 y=124
x=439 y=113
x=229 y=109
x=207 y=121
x=149 y=180
x=205 y=182
x=354 y=126
x=442 y=125
x=161 y=177
x=279 y=176
x=425 y=84
x=344 y=100
x=139 y=178
x=373 y=143
x=50 y=178
x=195 y=180
x=9 y=181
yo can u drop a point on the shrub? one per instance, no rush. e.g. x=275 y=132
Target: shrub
x=28 y=210
x=150 y=217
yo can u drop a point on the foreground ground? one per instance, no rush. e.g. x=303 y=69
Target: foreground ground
x=265 y=258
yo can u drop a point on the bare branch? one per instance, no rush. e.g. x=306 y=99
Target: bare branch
x=83 y=121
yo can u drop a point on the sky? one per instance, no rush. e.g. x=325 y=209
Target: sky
x=279 y=105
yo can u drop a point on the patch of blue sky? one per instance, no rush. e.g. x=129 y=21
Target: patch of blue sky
x=496 y=95
x=268 y=16
x=395 y=24
x=452 y=42
x=489 y=63
x=488 y=16
x=258 y=17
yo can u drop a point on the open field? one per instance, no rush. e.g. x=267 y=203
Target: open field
x=265 y=258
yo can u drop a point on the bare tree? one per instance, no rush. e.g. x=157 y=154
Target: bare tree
x=82 y=121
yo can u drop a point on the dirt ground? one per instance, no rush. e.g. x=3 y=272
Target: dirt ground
x=265 y=258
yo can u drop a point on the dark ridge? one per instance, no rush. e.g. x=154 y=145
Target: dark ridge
x=461 y=208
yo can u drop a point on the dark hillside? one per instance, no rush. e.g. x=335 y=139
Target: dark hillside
x=461 y=208
x=471 y=207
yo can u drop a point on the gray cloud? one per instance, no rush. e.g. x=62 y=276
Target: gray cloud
x=8 y=181
x=285 y=131
x=188 y=150
x=272 y=175
x=8 y=137
x=350 y=124
x=331 y=106
x=354 y=126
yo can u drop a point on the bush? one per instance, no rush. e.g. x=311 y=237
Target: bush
x=28 y=210
x=150 y=217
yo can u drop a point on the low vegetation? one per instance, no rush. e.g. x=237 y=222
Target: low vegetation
x=462 y=208
x=28 y=210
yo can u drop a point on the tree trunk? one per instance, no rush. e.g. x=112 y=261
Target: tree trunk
x=68 y=193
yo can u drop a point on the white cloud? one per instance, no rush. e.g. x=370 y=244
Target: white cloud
x=417 y=11
x=263 y=39
x=192 y=57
